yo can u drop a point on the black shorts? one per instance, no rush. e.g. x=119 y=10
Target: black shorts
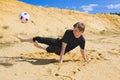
x=54 y=45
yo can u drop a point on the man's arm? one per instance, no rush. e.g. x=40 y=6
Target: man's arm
x=62 y=51
x=83 y=55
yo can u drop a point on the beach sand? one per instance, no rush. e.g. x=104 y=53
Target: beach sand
x=23 y=61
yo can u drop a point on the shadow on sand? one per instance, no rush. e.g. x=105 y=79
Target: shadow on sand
x=9 y=61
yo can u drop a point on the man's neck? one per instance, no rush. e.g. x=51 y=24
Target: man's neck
x=77 y=36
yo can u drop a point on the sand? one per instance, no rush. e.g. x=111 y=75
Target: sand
x=23 y=61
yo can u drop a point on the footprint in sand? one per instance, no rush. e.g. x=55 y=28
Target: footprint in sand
x=57 y=74
x=1 y=37
x=63 y=77
x=97 y=58
x=7 y=62
x=91 y=58
x=101 y=56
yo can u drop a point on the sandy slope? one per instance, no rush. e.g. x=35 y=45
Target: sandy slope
x=22 y=61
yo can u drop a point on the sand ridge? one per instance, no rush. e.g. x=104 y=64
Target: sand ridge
x=23 y=61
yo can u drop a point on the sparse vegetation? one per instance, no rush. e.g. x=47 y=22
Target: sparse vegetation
x=49 y=71
x=1 y=37
x=102 y=32
x=6 y=44
x=47 y=29
x=23 y=33
x=27 y=62
x=115 y=14
x=47 y=6
x=1 y=34
x=32 y=21
x=5 y=27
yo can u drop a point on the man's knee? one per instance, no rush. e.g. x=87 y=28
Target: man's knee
x=37 y=38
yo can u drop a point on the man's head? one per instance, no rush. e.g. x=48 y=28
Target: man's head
x=78 y=28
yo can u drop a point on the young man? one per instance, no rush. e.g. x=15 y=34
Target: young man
x=70 y=40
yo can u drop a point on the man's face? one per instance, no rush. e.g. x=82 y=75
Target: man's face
x=77 y=32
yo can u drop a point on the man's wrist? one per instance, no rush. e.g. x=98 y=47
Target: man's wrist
x=60 y=61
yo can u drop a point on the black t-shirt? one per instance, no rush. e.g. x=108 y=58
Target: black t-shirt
x=71 y=41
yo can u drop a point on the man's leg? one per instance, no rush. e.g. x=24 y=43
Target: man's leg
x=24 y=40
x=38 y=40
x=45 y=40
x=39 y=45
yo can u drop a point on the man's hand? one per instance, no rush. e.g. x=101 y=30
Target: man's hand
x=60 y=61
x=84 y=55
x=62 y=52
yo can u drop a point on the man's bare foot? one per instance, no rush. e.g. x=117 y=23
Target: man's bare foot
x=87 y=61
x=20 y=38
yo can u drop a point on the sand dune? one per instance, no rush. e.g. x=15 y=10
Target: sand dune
x=23 y=61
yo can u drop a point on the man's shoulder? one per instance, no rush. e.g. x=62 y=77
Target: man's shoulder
x=82 y=38
x=69 y=30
